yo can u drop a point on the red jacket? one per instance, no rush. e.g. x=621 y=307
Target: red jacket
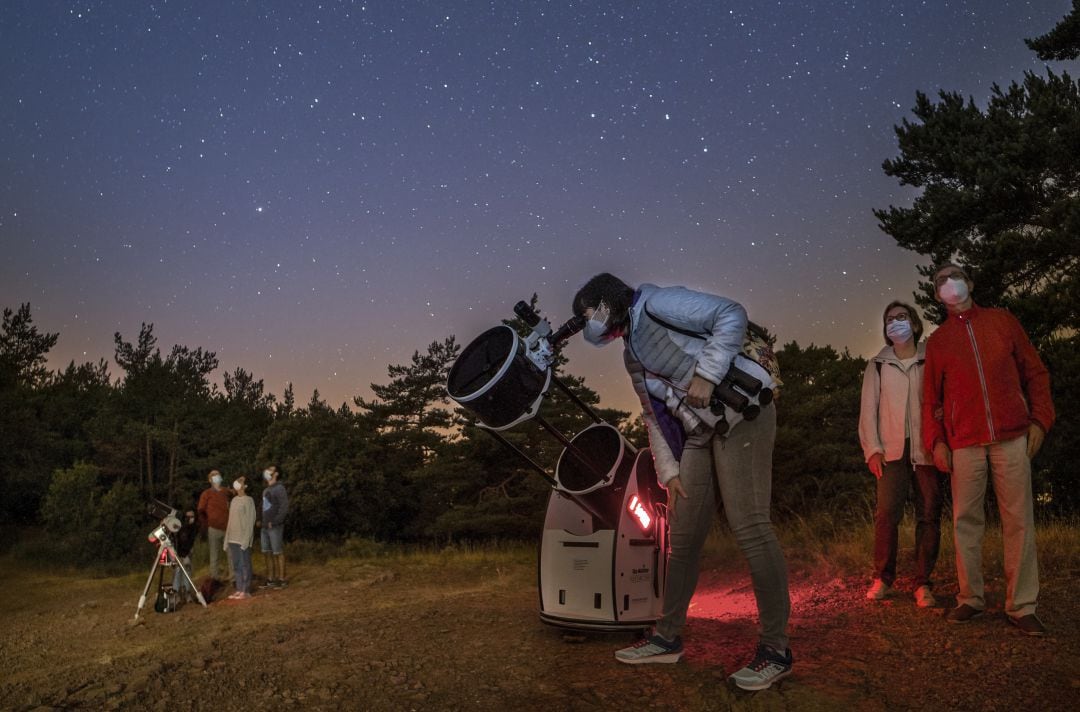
x=214 y=508
x=984 y=380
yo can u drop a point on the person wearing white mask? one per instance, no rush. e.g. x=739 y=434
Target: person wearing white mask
x=990 y=393
x=678 y=345
x=239 y=536
x=275 y=506
x=213 y=515
x=890 y=434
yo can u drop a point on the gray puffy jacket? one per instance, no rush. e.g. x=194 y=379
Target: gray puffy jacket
x=662 y=361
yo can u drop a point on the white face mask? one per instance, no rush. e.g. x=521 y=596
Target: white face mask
x=899 y=331
x=596 y=328
x=237 y=485
x=267 y=475
x=216 y=480
x=954 y=291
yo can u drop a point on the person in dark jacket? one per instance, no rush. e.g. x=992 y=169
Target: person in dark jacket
x=990 y=393
x=275 y=506
x=185 y=542
x=678 y=345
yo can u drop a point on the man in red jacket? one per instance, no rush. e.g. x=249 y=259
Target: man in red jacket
x=213 y=509
x=986 y=409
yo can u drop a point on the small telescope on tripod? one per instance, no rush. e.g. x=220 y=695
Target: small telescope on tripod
x=167 y=598
x=603 y=553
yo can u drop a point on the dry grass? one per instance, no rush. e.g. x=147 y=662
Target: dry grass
x=822 y=543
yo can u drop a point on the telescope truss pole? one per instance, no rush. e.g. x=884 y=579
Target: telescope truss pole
x=548 y=478
x=584 y=406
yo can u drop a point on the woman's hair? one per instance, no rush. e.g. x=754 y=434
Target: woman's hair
x=913 y=317
x=610 y=290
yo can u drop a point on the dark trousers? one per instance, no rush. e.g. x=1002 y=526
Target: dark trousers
x=898 y=479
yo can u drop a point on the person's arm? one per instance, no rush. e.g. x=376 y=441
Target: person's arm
x=720 y=320
x=200 y=511
x=933 y=425
x=667 y=467
x=273 y=515
x=869 y=430
x=283 y=509
x=1034 y=378
x=1035 y=381
x=249 y=526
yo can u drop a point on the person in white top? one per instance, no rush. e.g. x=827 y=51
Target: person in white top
x=889 y=430
x=238 y=537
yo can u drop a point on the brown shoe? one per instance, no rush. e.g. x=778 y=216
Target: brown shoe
x=963 y=613
x=1029 y=624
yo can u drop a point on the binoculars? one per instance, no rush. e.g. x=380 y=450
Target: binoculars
x=736 y=391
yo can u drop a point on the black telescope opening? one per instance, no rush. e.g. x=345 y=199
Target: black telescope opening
x=592 y=457
x=494 y=379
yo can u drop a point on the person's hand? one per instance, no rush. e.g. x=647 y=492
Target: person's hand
x=1035 y=439
x=674 y=491
x=942 y=457
x=876 y=463
x=269 y=525
x=700 y=392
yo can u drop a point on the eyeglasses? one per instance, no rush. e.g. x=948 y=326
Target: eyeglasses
x=896 y=317
x=951 y=274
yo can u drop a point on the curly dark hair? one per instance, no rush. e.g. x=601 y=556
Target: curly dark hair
x=611 y=290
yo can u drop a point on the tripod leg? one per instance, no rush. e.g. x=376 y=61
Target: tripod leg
x=149 y=580
x=198 y=593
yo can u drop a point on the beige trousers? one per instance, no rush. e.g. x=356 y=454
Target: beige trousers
x=1007 y=467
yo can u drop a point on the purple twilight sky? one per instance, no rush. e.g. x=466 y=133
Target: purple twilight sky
x=314 y=190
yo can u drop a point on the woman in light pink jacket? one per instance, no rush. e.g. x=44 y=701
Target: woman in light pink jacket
x=889 y=430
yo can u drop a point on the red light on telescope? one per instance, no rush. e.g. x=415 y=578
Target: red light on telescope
x=637 y=508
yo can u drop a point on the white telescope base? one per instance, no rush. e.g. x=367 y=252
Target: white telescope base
x=604 y=579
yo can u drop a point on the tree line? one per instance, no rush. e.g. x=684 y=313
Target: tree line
x=86 y=451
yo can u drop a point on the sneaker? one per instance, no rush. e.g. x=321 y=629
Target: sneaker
x=1029 y=624
x=767 y=667
x=963 y=613
x=924 y=598
x=242 y=596
x=234 y=595
x=281 y=583
x=653 y=649
x=879 y=590
x=268 y=583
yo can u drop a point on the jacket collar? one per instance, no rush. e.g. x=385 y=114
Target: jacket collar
x=967 y=314
x=887 y=355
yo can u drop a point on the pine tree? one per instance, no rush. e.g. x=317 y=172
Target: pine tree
x=1062 y=42
x=1000 y=195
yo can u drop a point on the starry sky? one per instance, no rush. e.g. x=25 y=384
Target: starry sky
x=315 y=190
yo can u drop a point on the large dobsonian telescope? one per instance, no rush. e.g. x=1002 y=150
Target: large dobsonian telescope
x=603 y=553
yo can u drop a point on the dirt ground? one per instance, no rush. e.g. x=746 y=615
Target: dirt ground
x=458 y=632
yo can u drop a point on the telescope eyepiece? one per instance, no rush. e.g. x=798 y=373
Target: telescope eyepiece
x=572 y=326
x=526 y=313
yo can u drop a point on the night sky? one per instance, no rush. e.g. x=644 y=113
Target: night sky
x=315 y=190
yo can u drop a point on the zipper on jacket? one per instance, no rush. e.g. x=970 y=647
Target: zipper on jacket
x=982 y=380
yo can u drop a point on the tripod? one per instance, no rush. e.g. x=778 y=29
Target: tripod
x=166 y=549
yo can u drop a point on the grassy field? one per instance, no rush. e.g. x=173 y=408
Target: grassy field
x=378 y=627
